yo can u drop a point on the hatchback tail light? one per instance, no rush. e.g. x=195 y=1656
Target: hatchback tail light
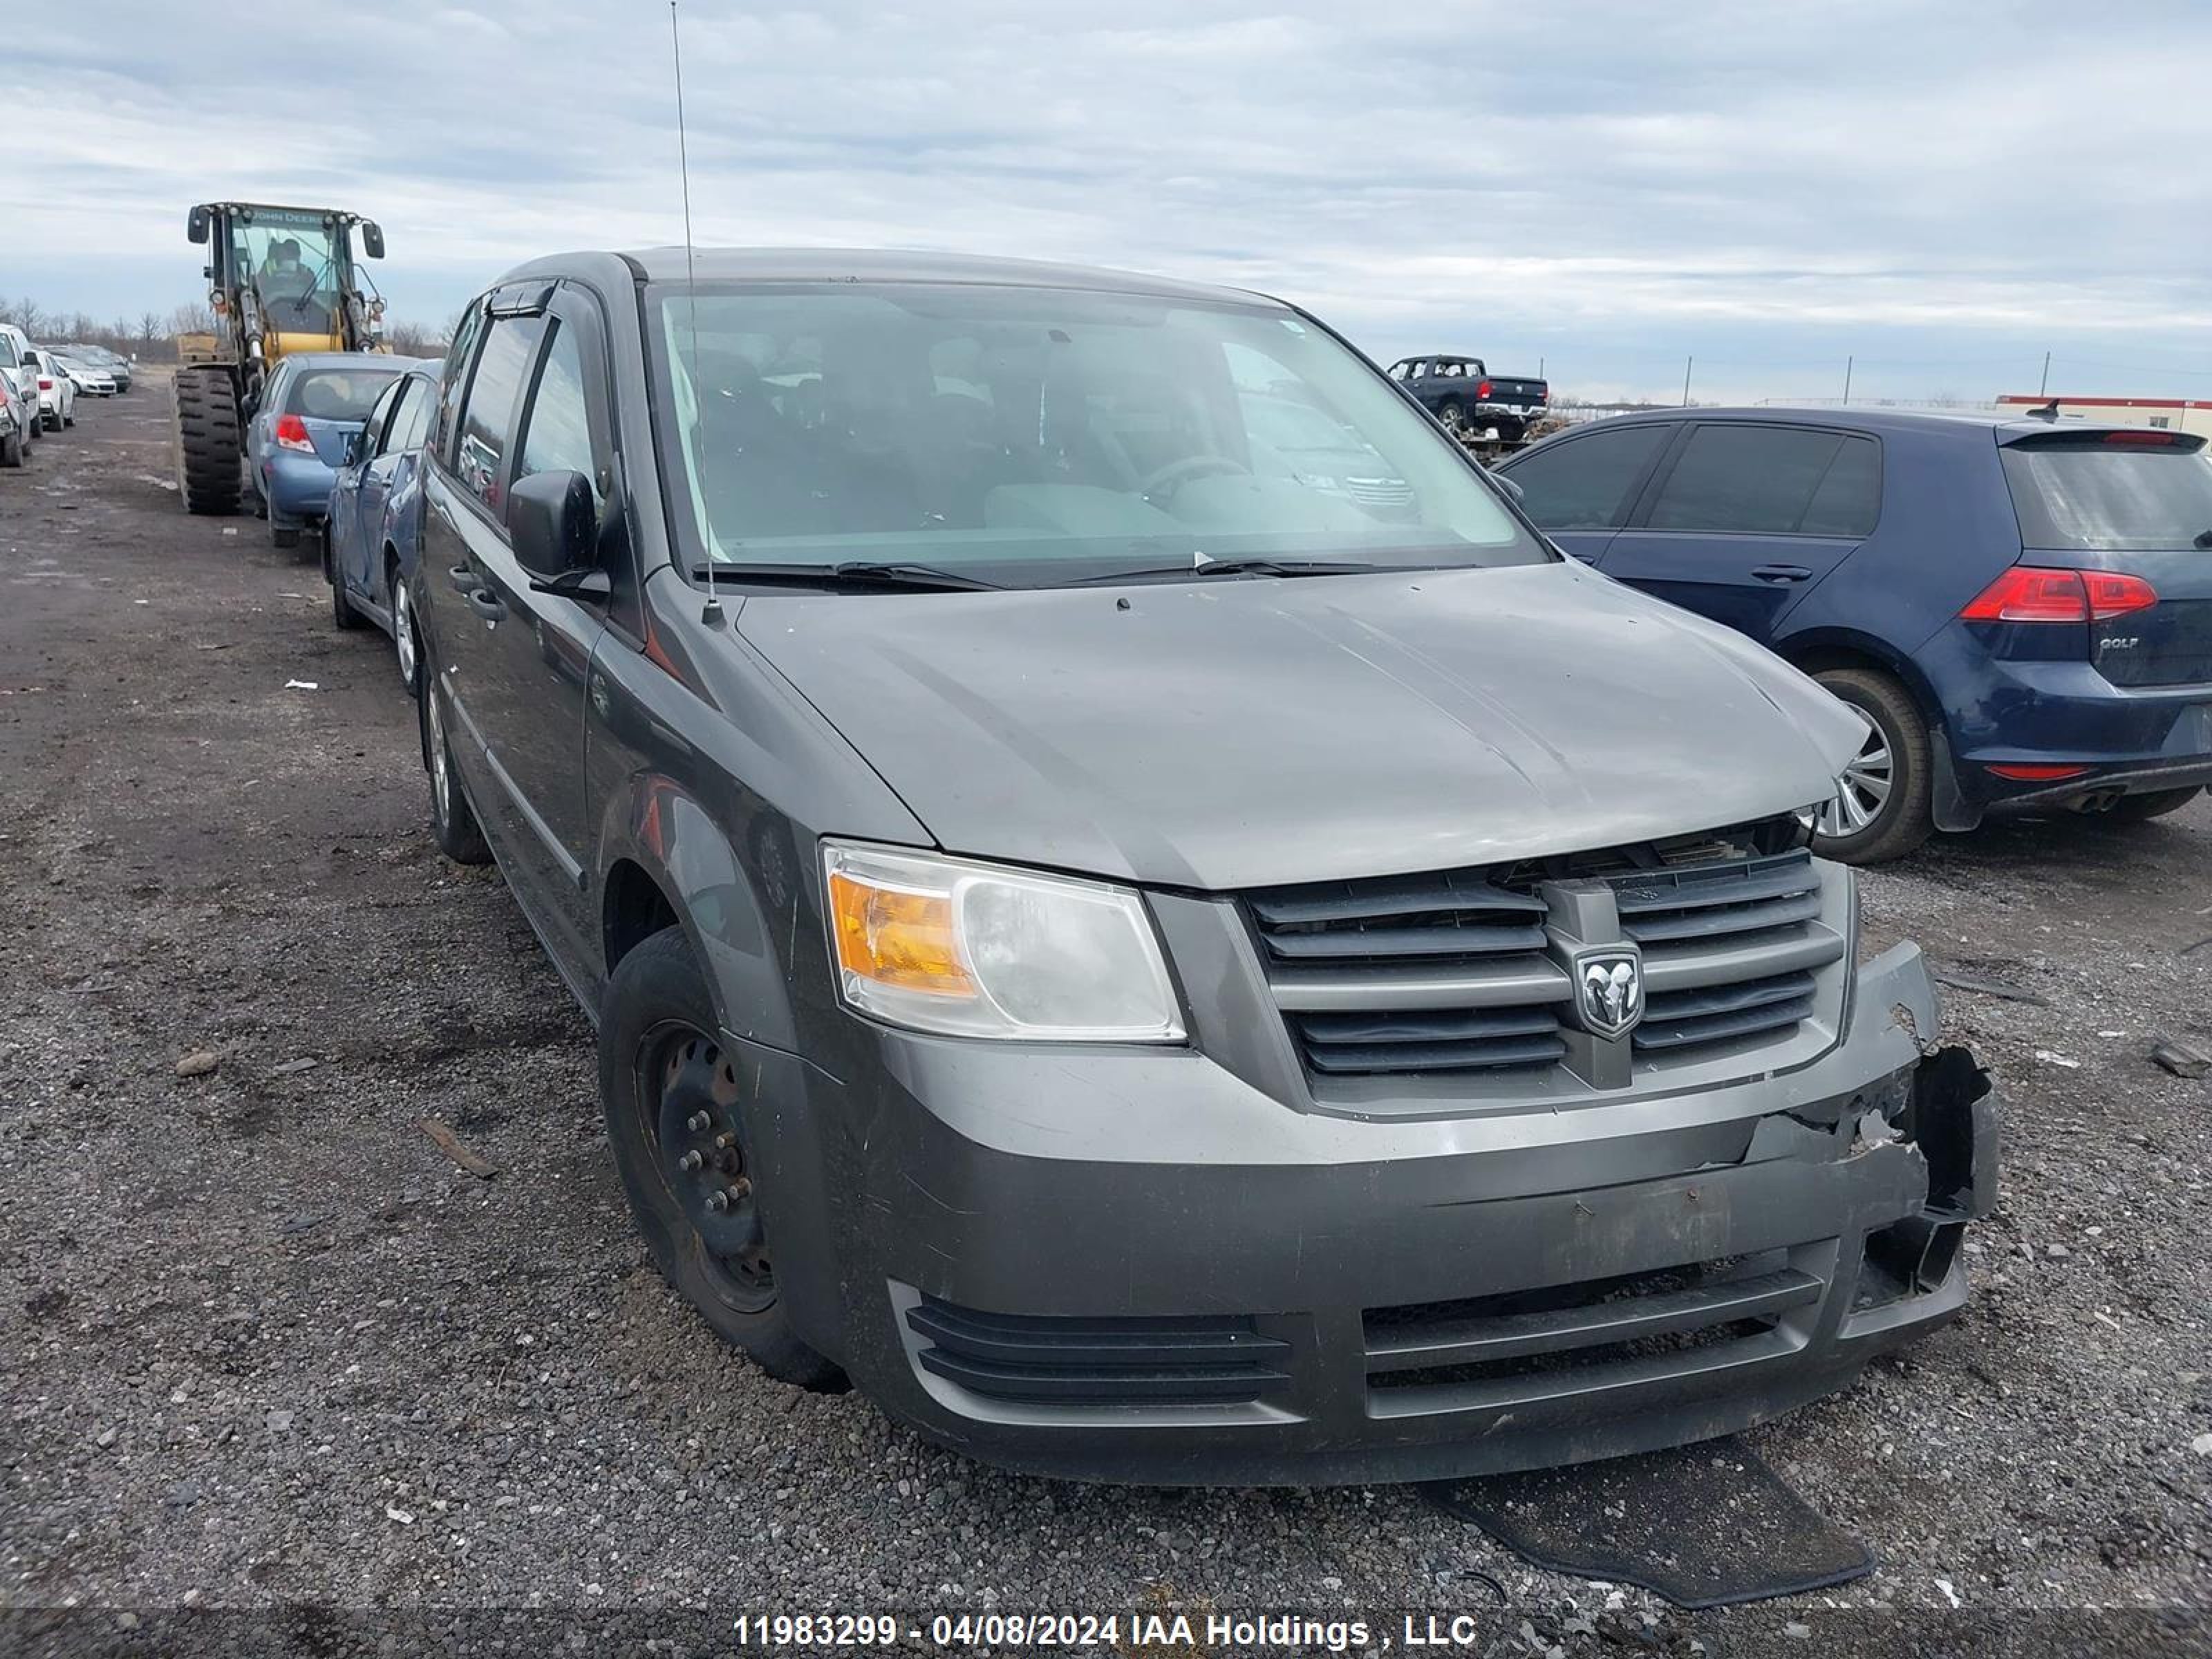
x=2034 y=594
x=46 y=384
x=292 y=434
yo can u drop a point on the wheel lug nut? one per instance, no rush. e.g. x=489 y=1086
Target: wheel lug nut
x=718 y=1201
x=724 y=1141
x=690 y=1161
x=697 y=1122
x=740 y=1187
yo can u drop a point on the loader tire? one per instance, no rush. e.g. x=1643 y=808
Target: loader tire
x=207 y=441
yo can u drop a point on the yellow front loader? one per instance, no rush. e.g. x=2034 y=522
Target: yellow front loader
x=280 y=280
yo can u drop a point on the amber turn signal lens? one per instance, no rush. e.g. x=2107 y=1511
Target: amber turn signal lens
x=898 y=938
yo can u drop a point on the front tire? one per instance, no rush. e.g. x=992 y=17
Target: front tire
x=677 y=1120
x=207 y=441
x=1883 y=808
x=452 y=823
x=11 y=450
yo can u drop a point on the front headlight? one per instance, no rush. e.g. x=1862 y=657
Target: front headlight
x=973 y=949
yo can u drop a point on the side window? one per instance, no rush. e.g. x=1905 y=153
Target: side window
x=1583 y=482
x=1849 y=500
x=488 y=416
x=414 y=420
x=556 y=436
x=458 y=361
x=1745 y=480
x=410 y=396
x=377 y=429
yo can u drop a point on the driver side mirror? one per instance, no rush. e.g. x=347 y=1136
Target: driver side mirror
x=196 y=225
x=1511 y=487
x=553 y=522
x=356 y=445
x=372 y=239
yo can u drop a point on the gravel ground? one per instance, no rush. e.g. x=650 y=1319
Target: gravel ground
x=263 y=1345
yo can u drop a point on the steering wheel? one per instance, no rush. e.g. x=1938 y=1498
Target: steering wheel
x=1181 y=472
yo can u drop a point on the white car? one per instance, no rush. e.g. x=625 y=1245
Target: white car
x=22 y=379
x=11 y=429
x=56 y=391
x=100 y=360
x=90 y=380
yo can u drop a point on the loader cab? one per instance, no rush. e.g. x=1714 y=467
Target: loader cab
x=281 y=280
x=290 y=269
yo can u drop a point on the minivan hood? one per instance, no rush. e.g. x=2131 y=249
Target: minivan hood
x=1239 y=733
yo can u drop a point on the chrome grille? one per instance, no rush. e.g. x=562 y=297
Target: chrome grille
x=1380 y=492
x=1722 y=1013
x=1435 y=973
x=1457 y=971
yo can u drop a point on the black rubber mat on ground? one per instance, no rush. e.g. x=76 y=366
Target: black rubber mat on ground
x=1705 y=1526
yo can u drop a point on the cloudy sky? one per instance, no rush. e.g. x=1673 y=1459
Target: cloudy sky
x=1605 y=190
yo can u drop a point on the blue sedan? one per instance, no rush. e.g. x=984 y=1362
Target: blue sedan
x=2021 y=608
x=296 y=440
x=374 y=516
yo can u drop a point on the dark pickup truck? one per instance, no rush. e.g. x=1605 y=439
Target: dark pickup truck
x=1466 y=396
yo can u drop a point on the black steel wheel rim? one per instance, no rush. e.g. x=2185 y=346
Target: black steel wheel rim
x=688 y=1099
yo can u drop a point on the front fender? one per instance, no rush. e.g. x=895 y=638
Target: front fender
x=732 y=909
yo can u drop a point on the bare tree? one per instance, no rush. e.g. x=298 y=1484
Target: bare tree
x=26 y=315
x=194 y=318
x=149 y=328
x=413 y=340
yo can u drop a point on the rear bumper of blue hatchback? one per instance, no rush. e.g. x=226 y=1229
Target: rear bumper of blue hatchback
x=296 y=487
x=2030 y=734
x=1378 y=1300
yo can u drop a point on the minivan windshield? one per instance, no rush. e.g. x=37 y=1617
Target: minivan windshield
x=2116 y=492
x=1031 y=437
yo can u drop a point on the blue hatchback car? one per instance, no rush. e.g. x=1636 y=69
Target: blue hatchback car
x=2021 y=608
x=374 y=526
x=296 y=439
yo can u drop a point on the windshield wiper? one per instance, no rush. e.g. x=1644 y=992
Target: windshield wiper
x=847 y=573
x=1256 y=566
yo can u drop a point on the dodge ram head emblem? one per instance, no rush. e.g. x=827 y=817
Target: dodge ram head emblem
x=1609 y=991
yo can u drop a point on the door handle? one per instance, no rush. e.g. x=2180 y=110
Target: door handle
x=1782 y=573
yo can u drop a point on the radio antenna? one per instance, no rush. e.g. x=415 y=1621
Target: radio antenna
x=713 y=612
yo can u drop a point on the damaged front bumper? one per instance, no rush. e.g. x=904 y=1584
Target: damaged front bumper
x=1375 y=1301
